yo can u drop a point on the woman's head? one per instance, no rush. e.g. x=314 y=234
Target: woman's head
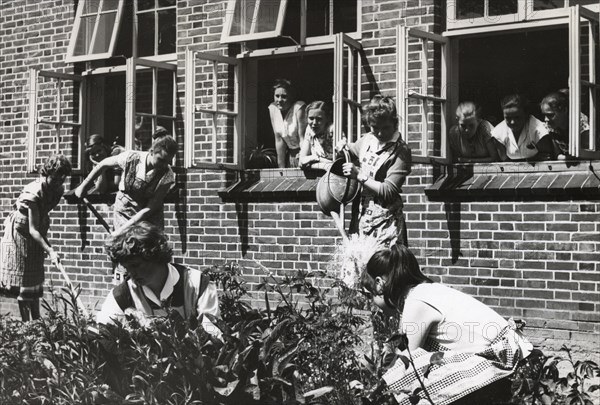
x=96 y=150
x=142 y=240
x=55 y=169
x=163 y=148
x=514 y=109
x=283 y=94
x=468 y=115
x=382 y=117
x=390 y=274
x=555 y=108
x=319 y=116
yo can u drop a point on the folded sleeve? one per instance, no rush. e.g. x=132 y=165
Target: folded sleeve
x=208 y=303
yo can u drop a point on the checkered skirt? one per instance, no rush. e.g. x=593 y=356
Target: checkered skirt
x=457 y=374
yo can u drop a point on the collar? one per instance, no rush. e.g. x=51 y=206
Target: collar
x=388 y=145
x=167 y=289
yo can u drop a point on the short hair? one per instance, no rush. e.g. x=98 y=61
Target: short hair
x=557 y=100
x=469 y=109
x=515 y=101
x=141 y=240
x=400 y=268
x=320 y=105
x=163 y=141
x=284 y=84
x=96 y=140
x=381 y=108
x=57 y=164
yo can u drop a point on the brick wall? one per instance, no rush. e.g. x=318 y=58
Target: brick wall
x=530 y=259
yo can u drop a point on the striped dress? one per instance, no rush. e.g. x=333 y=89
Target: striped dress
x=22 y=258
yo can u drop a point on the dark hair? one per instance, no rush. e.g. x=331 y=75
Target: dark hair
x=161 y=140
x=401 y=270
x=285 y=84
x=57 y=164
x=557 y=100
x=141 y=240
x=515 y=101
x=320 y=105
x=94 y=141
x=381 y=108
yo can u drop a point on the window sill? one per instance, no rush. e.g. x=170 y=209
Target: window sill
x=273 y=185
x=511 y=180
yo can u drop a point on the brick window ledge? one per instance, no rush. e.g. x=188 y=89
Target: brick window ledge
x=574 y=179
x=109 y=198
x=273 y=185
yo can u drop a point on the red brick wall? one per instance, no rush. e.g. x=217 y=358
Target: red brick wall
x=534 y=260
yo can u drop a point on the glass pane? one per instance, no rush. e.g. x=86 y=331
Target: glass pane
x=582 y=2
x=146 y=34
x=146 y=4
x=317 y=21
x=110 y=5
x=166 y=123
x=469 y=9
x=267 y=15
x=167 y=34
x=106 y=25
x=501 y=7
x=84 y=36
x=547 y=4
x=91 y=6
x=165 y=92
x=142 y=139
x=242 y=17
x=143 y=91
x=344 y=16
x=166 y=3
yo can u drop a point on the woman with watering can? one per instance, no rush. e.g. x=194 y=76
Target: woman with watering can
x=384 y=161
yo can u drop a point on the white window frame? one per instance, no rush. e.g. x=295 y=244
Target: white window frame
x=154 y=10
x=226 y=37
x=191 y=109
x=571 y=18
x=404 y=91
x=525 y=12
x=71 y=58
x=132 y=66
x=34 y=119
x=351 y=100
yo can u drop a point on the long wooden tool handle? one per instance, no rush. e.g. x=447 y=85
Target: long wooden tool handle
x=60 y=267
x=96 y=214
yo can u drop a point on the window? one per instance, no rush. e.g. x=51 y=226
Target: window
x=483 y=64
x=95 y=31
x=300 y=22
x=54 y=117
x=157 y=31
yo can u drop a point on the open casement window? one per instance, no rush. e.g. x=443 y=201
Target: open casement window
x=482 y=13
x=150 y=101
x=584 y=36
x=247 y=20
x=422 y=103
x=95 y=30
x=55 y=117
x=347 y=88
x=212 y=129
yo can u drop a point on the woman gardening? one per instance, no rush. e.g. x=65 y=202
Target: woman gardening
x=476 y=348
x=25 y=242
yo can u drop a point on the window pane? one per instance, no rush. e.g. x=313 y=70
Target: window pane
x=146 y=34
x=166 y=3
x=582 y=2
x=109 y=5
x=500 y=7
x=167 y=31
x=267 y=15
x=242 y=17
x=469 y=9
x=317 y=21
x=344 y=16
x=91 y=6
x=142 y=139
x=84 y=36
x=547 y=4
x=146 y=4
x=165 y=92
x=143 y=91
x=106 y=24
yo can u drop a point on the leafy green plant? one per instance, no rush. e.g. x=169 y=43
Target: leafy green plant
x=262 y=158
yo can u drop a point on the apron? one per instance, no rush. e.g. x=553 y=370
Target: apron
x=385 y=224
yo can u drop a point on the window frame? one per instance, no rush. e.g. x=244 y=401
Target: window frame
x=155 y=10
x=191 y=109
x=226 y=36
x=34 y=120
x=71 y=58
